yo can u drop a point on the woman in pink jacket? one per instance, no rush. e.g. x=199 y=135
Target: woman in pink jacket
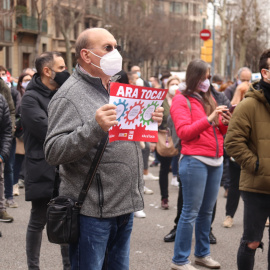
x=201 y=131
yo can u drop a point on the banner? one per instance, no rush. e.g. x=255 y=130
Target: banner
x=135 y=105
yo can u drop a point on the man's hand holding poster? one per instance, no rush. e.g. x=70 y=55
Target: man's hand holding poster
x=135 y=106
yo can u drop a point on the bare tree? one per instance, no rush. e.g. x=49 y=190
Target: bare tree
x=148 y=36
x=67 y=15
x=41 y=10
x=249 y=26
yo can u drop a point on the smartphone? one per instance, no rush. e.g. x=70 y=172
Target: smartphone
x=232 y=108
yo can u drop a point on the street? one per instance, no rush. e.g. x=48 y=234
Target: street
x=148 y=250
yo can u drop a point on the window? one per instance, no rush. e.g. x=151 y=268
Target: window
x=44 y=47
x=26 y=61
x=21 y=3
x=176 y=7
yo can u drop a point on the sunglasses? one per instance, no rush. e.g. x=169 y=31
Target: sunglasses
x=110 y=48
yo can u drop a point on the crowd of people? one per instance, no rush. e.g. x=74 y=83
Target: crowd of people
x=53 y=121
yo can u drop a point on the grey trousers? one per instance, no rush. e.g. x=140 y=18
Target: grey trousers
x=2 y=197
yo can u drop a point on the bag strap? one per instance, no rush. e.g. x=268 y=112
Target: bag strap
x=91 y=173
x=188 y=103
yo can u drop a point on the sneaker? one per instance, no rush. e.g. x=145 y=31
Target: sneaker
x=148 y=191
x=16 y=191
x=207 y=262
x=174 y=181
x=21 y=183
x=140 y=214
x=187 y=266
x=5 y=217
x=228 y=222
x=11 y=203
x=150 y=176
x=164 y=204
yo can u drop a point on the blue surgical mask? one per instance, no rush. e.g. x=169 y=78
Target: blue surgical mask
x=139 y=74
x=239 y=82
x=150 y=84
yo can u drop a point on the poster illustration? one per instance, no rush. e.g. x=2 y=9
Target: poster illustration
x=135 y=105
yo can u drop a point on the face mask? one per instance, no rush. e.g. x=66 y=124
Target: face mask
x=110 y=63
x=61 y=77
x=239 y=82
x=24 y=84
x=204 y=86
x=139 y=74
x=139 y=82
x=182 y=86
x=5 y=79
x=173 y=89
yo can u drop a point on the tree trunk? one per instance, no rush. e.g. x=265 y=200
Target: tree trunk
x=223 y=40
x=243 y=51
x=68 y=53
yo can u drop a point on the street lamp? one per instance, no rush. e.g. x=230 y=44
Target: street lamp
x=215 y=4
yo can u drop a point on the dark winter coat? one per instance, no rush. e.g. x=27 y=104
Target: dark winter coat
x=248 y=140
x=39 y=176
x=5 y=129
x=5 y=91
x=220 y=97
x=229 y=91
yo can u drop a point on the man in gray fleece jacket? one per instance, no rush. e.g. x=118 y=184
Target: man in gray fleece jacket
x=79 y=117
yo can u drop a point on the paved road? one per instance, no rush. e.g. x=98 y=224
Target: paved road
x=148 y=251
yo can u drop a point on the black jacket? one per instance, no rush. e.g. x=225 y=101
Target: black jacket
x=229 y=91
x=39 y=175
x=220 y=97
x=5 y=129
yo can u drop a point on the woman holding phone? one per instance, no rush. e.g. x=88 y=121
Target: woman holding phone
x=201 y=131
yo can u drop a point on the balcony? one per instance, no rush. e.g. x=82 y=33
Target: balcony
x=94 y=11
x=30 y=24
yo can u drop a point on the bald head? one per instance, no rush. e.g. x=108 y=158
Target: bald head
x=88 y=39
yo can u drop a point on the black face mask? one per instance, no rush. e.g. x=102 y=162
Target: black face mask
x=61 y=77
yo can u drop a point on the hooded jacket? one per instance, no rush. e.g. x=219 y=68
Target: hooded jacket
x=248 y=140
x=72 y=140
x=5 y=129
x=39 y=175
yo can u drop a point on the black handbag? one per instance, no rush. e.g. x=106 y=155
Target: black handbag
x=63 y=212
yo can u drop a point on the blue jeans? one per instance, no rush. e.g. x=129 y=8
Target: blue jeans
x=8 y=171
x=200 y=185
x=103 y=243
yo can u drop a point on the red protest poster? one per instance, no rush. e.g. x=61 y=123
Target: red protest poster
x=135 y=105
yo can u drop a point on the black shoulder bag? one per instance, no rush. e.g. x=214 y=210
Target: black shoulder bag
x=63 y=212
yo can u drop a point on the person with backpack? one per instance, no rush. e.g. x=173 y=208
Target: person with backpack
x=201 y=131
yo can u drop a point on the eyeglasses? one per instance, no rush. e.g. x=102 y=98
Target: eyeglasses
x=110 y=48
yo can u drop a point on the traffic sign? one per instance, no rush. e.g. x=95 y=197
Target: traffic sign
x=205 y=34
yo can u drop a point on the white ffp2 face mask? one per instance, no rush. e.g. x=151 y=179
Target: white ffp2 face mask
x=173 y=89
x=110 y=63
x=204 y=86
